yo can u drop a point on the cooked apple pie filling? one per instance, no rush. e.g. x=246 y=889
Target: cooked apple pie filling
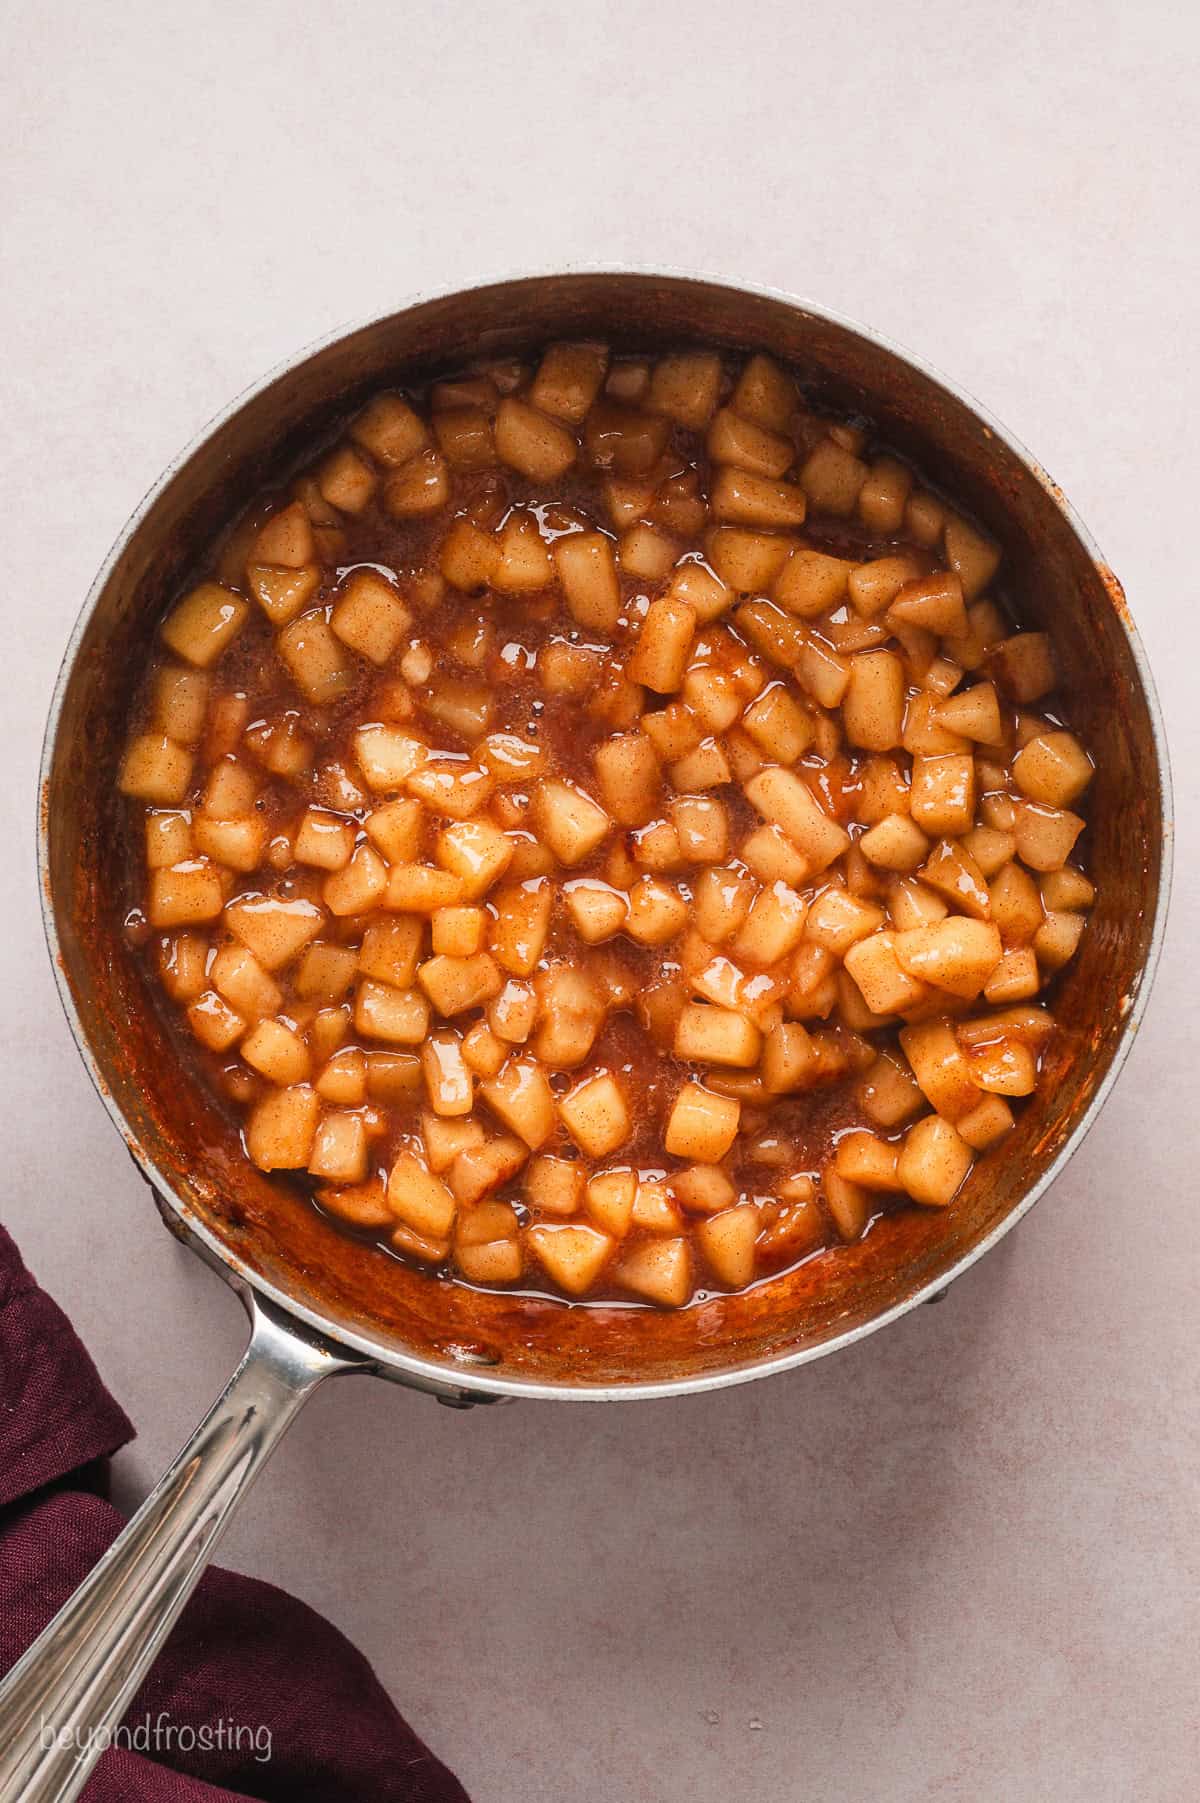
x=603 y=830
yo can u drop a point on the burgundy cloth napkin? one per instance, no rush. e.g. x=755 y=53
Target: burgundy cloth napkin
x=254 y=1694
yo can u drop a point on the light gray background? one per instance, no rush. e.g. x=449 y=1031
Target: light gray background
x=960 y=1561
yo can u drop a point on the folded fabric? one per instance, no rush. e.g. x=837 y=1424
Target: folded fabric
x=254 y=1694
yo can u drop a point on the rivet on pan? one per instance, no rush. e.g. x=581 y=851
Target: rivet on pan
x=939 y=1297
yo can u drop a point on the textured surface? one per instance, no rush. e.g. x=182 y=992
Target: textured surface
x=958 y=1562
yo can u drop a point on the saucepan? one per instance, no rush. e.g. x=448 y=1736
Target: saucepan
x=319 y=1303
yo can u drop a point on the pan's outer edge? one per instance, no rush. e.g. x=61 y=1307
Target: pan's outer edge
x=426 y=1373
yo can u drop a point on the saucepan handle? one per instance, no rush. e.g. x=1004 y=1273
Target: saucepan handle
x=61 y=1701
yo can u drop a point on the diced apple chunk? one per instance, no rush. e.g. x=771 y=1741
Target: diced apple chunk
x=369 y=616
x=390 y=430
x=865 y=1159
x=421 y=889
x=849 y=1204
x=1052 y=768
x=344 y=1079
x=888 y=1091
x=522 y=922
x=932 y=602
x=419 y=1245
x=573 y=1256
x=452 y=789
x=940 y=1068
x=213 y=1022
x=895 y=843
x=554 y=1186
x=886 y=987
x=323 y=974
x=521 y=1097
x=702 y=1126
x=399 y=1016
x=987 y=1122
x=952 y=872
x=339 y=1153
x=587 y=570
x=343 y=483
x=454 y=985
x=495 y=1261
x=182 y=965
x=281 y=1128
x=1046 y=835
x=956 y=954
x=773 y=927
x=419 y=487
x=392 y=1076
x=595 y=1115
x=387 y=755
x=1024 y=666
x=204 y=623
x=974 y=558
x=661 y=654
x=273 y=928
x=778 y=725
x=943 y=794
x=568 y=379
x=358 y=1204
x=659 y=1270
x=873 y=705
x=359 y=885
x=707 y=1035
x=629 y=778
x=419 y=1199
x=1066 y=888
x=468 y=557
x=727 y=1241
x=481 y=1170
x=530 y=442
x=476 y=853
x=449 y=1081
x=185 y=894
x=464 y=436
x=974 y=714
x=276 y=1052
x=444 y=1137
x=608 y=1198
x=283 y=593
x=316 y=660
x=832 y=478
x=325 y=840
x=524 y=563
x=812 y=583
x=1057 y=939
x=1004 y=1066
x=786 y=799
x=933 y=1162
x=766 y=394
x=597 y=911
x=747 y=499
x=156 y=769
x=657 y=912
x=571 y=823
x=459 y=932
x=703 y=1188
x=685 y=385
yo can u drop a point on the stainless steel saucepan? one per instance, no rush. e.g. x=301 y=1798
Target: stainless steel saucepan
x=317 y=1302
